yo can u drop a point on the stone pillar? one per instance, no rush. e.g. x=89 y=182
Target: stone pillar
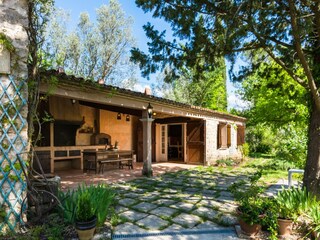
x=147 y=145
x=14 y=108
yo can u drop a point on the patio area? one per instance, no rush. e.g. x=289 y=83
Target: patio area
x=72 y=178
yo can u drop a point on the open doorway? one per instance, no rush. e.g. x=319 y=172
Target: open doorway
x=175 y=143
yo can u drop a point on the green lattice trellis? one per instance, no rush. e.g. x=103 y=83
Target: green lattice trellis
x=13 y=141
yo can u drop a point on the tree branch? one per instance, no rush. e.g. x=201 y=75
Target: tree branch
x=303 y=61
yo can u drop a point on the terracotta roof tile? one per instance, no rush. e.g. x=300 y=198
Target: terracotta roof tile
x=72 y=80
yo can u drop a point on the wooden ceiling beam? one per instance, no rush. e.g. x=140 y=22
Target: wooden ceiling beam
x=172 y=120
x=111 y=108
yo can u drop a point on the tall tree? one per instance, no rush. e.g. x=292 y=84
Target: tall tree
x=96 y=49
x=278 y=114
x=209 y=90
x=288 y=31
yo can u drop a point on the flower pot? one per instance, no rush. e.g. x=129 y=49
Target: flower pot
x=284 y=226
x=249 y=229
x=316 y=235
x=85 y=229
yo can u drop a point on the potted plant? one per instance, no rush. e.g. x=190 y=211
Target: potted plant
x=250 y=214
x=288 y=206
x=251 y=207
x=86 y=220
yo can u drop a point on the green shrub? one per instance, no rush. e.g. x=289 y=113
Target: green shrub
x=314 y=216
x=245 y=149
x=85 y=209
x=248 y=195
x=293 y=202
x=225 y=162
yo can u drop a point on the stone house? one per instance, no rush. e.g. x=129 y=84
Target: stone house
x=90 y=115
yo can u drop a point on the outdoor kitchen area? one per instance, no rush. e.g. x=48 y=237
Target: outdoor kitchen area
x=74 y=128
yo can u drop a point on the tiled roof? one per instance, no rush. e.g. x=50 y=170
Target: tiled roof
x=73 y=80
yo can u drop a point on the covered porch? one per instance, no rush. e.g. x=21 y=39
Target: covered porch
x=89 y=116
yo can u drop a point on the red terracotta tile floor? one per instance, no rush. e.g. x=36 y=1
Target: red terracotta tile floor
x=72 y=178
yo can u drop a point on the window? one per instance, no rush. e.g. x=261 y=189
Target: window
x=224 y=135
x=240 y=135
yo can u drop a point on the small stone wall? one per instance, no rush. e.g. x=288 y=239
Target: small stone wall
x=13 y=111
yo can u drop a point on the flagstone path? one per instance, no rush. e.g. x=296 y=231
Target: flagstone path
x=185 y=200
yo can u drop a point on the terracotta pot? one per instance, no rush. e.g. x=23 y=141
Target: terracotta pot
x=284 y=226
x=86 y=229
x=249 y=229
x=316 y=235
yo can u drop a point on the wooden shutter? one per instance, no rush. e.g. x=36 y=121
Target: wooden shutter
x=240 y=135
x=228 y=135
x=222 y=135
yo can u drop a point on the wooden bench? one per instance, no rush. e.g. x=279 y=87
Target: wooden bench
x=122 y=158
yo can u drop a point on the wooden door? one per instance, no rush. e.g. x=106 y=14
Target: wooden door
x=195 y=142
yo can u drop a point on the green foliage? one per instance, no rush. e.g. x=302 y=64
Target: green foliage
x=275 y=97
x=248 y=195
x=96 y=49
x=314 y=216
x=288 y=143
x=294 y=202
x=225 y=162
x=3 y=213
x=206 y=90
x=100 y=196
x=85 y=210
x=7 y=43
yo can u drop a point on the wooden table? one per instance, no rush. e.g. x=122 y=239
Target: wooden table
x=94 y=159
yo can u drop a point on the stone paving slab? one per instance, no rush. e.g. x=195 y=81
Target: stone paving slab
x=120 y=209
x=165 y=202
x=210 y=203
x=206 y=212
x=228 y=220
x=207 y=225
x=173 y=227
x=133 y=215
x=187 y=220
x=184 y=206
x=127 y=228
x=127 y=201
x=152 y=222
x=144 y=207
x=132 y=195
x=164 y=211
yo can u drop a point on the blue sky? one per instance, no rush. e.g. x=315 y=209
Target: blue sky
x=75 y=7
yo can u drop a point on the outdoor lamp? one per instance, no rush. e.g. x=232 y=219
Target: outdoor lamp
x=128 y=118
x=119 y=116
x=150 y=110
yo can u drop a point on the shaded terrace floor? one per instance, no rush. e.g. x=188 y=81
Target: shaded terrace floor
x=72 y=178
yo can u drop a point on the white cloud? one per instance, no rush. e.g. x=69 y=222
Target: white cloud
x=235 y=101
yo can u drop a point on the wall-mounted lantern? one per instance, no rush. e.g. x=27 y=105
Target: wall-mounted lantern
x=128 y=118
x=4 y=60
x=119 y=116
x=150 y=110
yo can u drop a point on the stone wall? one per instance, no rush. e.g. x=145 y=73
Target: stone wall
x=13 y=109
x=212 y=152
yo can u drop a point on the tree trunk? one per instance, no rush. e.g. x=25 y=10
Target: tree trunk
x=311 y=178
